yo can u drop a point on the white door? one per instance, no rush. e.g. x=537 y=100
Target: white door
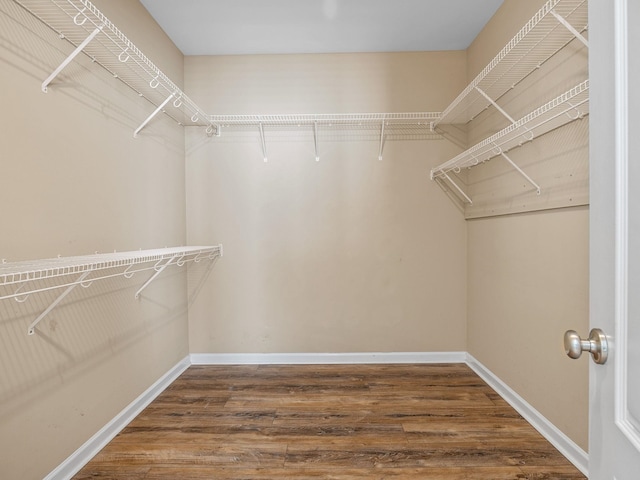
x=614 y=70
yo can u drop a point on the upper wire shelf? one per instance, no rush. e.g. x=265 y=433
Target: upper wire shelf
x=91 y=32
x=84 y=26
x=549 y=30
x=27 y=276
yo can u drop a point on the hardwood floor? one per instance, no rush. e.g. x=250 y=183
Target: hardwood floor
x=329 y=422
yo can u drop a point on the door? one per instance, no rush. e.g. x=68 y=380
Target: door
x=614 y=70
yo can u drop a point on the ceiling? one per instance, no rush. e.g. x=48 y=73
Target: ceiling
x=238 y=27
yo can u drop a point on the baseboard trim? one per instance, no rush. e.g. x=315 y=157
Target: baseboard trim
x=91 y=447
x=564 y=444
x=325 y=358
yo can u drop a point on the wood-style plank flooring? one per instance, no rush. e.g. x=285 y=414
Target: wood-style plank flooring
x=329 y=422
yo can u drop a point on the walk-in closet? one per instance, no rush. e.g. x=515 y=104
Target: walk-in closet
x=286 y=263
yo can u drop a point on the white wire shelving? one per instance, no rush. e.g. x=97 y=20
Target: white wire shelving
x=556 y=24
x=27 y=277
x=570 y=106
x=553 y=27
x=385 y=124
x=92 y=33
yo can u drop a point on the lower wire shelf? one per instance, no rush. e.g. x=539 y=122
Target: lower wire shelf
x=86 y=269
x=571 y=105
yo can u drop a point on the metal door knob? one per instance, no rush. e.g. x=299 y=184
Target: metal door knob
x=596 y=344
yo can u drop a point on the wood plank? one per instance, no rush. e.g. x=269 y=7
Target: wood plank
x=329 y=422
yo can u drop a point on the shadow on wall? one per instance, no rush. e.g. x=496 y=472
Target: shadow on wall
x=85 y=329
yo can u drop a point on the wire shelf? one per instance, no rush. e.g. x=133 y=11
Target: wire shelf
x=90 y=31
x=77 y=20
x=570 y=106
x=542 y=37
x=418 y=119
x=84 y=270
x=12 y=273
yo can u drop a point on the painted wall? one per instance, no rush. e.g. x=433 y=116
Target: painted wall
x=347 y=254
x=528 y=273
x=75 y=181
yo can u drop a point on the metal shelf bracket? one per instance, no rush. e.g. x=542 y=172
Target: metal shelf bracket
x=455 y=185
x=159 y=268
x=315 y=139
x=521 y=172
x=498 y=107
x=68 y=290
x=264 y=144
x=570 y=27
x=73 y=55
x=381 y=141
x=155 y=112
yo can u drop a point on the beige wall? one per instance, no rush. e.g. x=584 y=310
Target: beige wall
x=528 y=273
x=75 y=181
x=348 y=254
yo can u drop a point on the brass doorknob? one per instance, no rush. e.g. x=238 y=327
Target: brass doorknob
x=596 y=344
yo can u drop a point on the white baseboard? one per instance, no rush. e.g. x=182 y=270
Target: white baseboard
x=91 y=447
x=564 y=444
x=325 y=358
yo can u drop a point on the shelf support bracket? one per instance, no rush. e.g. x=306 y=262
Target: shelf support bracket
x=33 y=325
x=264 y=144
x=70 y=58
x=458 y=188
x=381 y=141
x=570 y=27
x=521 y=172
x=150 y=117
x=498 y=107
x=159 y=270
x=315 y=139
